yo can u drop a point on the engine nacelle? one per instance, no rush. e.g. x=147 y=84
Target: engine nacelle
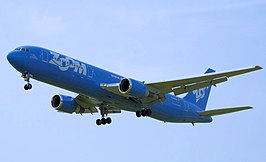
x=133 y=88
x=64 y=103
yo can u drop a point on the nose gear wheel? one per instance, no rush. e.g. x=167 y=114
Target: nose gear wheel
x=27 y=77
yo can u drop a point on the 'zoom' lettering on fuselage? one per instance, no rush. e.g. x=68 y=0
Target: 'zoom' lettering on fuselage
x=64 y=63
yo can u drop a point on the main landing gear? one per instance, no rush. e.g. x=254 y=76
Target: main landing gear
x=27 y=77
x=144 y=112
x=104 y=120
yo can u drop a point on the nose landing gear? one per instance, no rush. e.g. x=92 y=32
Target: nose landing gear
x=27 y=77
x=27 y=86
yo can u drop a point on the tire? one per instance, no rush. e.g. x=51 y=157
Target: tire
x=143 y=113
x=103 y=121
x=148 y=112
x=108 y=120
x=26 y=87
x=29 y=86
x=138 y=114
x=98 y=122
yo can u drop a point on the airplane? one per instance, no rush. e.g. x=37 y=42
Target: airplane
x=104 y=92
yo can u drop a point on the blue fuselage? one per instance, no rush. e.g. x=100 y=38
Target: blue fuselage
x=76 y=76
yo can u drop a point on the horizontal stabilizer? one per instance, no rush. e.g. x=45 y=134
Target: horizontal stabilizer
x=223 y=111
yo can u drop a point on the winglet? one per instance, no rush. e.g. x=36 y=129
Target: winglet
x=223 y=111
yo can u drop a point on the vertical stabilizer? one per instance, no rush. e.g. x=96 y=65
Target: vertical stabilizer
x=200 y=96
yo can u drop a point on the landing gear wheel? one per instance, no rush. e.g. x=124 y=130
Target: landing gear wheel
x=148 y=112
x=138 y=114
x=104 y=113
x=103 y=121
x=98 y=122
x=27 y=77
x=26 y=87
x=143 y=112
x=29 y=86
x=108 y=120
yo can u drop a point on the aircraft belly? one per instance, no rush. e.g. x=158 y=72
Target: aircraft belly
x=170 y=112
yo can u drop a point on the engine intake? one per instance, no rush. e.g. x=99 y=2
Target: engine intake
x=64 y=103
x=133 y=88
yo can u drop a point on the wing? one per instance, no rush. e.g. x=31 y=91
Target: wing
x=193 y=83
x=88 y=104
x=91 y=105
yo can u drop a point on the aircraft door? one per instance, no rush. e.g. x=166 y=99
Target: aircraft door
x=45 y=56
x=186 y=106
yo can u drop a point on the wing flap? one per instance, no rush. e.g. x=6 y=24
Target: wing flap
x=192 y=87
x=88 y=103
x=92 y=105
x=223 y=111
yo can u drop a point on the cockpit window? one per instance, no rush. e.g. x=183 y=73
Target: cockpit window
x=22 y=49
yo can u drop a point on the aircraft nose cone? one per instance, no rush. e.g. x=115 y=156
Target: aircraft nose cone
x=11 y=58
x=14 y=59
x=18 y=60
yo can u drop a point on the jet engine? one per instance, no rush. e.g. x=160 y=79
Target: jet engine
x=64 y=103
x=133 y=88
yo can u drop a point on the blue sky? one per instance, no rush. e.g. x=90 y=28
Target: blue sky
x=152 y=41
